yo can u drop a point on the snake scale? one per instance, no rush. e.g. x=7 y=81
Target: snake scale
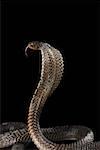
x=12 y=133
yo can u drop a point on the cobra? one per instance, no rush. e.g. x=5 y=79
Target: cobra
x=46 y=138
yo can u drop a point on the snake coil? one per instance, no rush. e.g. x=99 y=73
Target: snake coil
x=46 y=138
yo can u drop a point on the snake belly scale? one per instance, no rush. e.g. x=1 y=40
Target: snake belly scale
x=45 y=138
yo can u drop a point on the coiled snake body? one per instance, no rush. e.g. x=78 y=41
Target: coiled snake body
x=46 y=138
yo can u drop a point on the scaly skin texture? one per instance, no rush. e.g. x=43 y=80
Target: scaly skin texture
x=16 y=132
x=44 y=89
x=45 y=139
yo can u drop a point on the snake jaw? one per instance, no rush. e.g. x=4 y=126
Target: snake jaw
x=15 y=133
x=32 y=46
x=29 y=48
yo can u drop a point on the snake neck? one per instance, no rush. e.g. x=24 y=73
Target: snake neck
x=51 y=64
x=39 y=98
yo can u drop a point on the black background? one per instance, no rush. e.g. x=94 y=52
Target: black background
x=70 y=27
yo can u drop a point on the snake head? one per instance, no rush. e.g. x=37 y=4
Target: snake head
x=34 y=45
